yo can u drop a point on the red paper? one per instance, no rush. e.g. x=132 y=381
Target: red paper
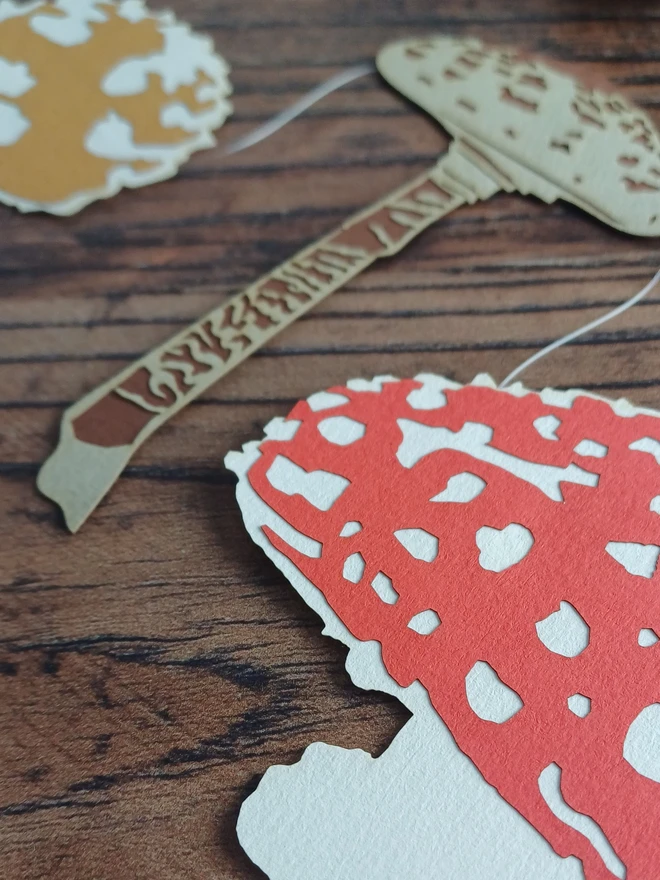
x=571 y=528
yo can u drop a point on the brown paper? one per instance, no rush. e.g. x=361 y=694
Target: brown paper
x=518 y=124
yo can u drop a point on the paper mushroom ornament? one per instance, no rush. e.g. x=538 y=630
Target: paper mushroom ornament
x=96 y=95
x=490 y=557
x=517 y=123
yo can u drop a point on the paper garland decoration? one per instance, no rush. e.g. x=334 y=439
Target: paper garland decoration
x=518 y=125
x=98 y=95
x=501 y=547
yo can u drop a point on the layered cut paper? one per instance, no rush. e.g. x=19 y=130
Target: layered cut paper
x=517 y=124
x=490 y=557
x=96 y=95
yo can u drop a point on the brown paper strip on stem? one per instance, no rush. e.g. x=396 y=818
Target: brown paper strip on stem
x=96 y=96
x=518 y=126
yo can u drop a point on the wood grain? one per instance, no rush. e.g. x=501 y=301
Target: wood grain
x=153 y=666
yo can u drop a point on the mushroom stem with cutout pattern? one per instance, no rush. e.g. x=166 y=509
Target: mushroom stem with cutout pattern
x=518 y=125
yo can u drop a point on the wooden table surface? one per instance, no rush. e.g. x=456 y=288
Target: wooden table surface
x=154 y=665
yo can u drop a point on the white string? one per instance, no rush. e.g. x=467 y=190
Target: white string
x=629 y=303
x=299 y=107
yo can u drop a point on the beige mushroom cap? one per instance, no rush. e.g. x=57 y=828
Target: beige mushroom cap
x=546 y=133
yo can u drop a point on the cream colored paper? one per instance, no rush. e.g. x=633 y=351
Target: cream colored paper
x=519 y=125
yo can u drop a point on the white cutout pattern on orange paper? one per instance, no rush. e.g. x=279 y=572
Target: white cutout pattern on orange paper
x=519 y=661
x=96 y=95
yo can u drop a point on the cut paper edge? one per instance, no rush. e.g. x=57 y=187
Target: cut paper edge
x=367 y=671
x=364 y=663
x=173 y=157
x=336 y=814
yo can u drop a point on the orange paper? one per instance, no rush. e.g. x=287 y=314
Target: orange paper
x=95 y=96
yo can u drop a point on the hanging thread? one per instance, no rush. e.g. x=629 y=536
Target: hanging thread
x=287 y=115
x=614 y=313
